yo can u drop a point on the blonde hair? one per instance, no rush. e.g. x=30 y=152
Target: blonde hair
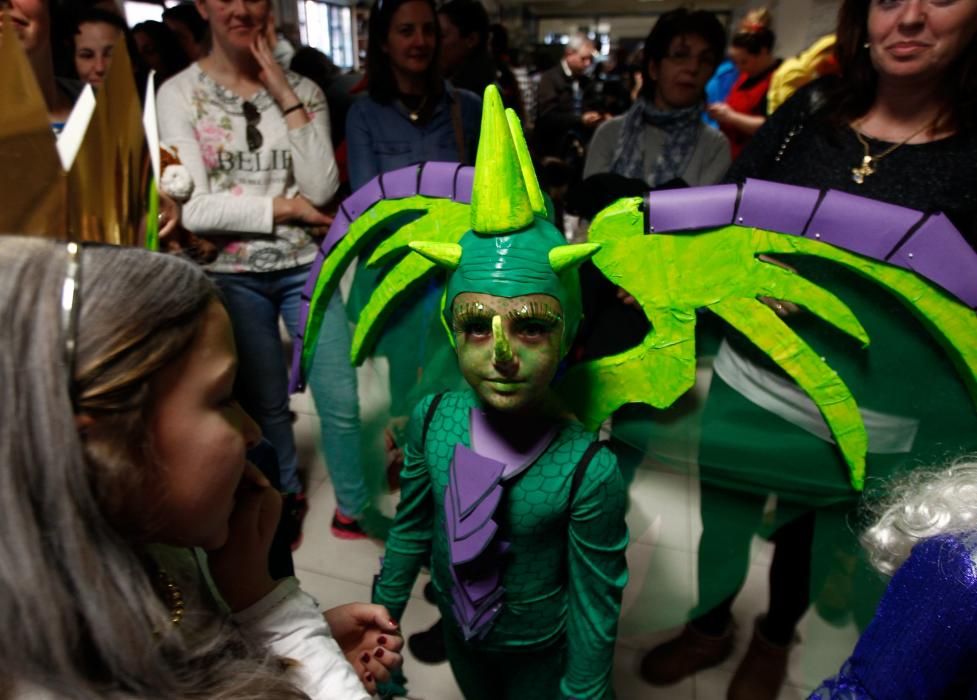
x=754 y=33
x=755 y=20
x=77 y=603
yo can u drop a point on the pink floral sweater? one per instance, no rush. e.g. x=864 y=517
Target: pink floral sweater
x=234 y=185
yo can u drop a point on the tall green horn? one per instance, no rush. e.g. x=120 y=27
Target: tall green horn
x=444 y=254
x=526 y=163
x=500 y=202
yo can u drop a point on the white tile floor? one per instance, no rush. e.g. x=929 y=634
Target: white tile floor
x=665 y=527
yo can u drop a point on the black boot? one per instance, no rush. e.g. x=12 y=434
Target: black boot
x=428 y=646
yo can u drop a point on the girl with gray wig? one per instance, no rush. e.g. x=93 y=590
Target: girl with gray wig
x=121 y=448
x=922 y=642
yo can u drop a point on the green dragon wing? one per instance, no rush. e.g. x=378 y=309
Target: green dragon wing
x=679 y=251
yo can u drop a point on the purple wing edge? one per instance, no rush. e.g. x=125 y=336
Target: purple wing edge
x=434 y=179
x=926 y=243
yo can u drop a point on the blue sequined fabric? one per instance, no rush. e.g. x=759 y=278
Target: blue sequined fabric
x=844 y=686
x=922 y=642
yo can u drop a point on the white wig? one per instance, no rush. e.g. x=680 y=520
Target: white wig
x=922 y=504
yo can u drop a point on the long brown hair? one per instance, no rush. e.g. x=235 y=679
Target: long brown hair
x=380 y=76
x=79 y=611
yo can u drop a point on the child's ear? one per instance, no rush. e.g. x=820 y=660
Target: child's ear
x=83 y=422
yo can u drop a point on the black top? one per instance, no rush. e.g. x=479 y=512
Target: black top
x=556 y=115
x=936 y=176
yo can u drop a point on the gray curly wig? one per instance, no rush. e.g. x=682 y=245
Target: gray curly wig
x=922 y=504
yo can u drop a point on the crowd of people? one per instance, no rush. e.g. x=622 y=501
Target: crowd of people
x=151 y=484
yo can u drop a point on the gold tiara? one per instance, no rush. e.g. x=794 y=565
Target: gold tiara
x=91 y=183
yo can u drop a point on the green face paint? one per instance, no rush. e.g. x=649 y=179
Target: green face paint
x=529 y=326
x=518 y=265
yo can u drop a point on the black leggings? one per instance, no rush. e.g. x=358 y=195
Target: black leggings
x=790 y=581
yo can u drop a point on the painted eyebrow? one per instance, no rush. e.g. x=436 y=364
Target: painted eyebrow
x=536 y=311
x=472 y=309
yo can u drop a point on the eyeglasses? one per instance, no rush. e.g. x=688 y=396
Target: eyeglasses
x=252 y=116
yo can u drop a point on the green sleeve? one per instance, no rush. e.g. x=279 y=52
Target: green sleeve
x=409 y=541
x=598 y=572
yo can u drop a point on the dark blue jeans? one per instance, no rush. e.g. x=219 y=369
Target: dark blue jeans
x=255 y=301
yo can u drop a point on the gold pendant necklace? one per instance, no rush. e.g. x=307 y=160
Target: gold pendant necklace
x=173 y=597
x=869 y=162
x=415 y=114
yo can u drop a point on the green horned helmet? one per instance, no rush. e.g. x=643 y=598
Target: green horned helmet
x=512 y=249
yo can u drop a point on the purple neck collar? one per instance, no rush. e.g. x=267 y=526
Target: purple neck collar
x=515 y=450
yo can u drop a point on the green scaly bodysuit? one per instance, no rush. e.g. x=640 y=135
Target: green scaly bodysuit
x=563 y=573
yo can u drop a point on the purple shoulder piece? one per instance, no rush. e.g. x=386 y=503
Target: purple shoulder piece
x=691 y=208
x=776 y=207
x=516 y=459
x=937 y=251
x=861 y=225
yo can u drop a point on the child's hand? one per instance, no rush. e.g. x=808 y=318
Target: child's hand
x=240 y=567
x=370 y=640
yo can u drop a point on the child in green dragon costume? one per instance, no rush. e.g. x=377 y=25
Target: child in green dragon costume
x=521 y=520
x=519 y=512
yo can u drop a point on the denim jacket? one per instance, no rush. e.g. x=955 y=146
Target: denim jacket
x=381 y=137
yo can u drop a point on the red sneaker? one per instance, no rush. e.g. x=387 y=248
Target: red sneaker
x=346 y=528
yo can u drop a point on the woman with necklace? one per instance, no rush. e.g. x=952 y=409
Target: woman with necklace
x=897 y=125
x=411 y=115
x=255 y=139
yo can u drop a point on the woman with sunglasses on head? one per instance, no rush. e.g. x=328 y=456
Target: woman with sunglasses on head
x=255 y=139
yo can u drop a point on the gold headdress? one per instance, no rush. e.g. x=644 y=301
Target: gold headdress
x=91 y=182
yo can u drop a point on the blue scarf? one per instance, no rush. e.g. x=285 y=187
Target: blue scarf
x=681 y=127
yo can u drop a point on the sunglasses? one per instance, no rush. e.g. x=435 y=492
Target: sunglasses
x=252 y=116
